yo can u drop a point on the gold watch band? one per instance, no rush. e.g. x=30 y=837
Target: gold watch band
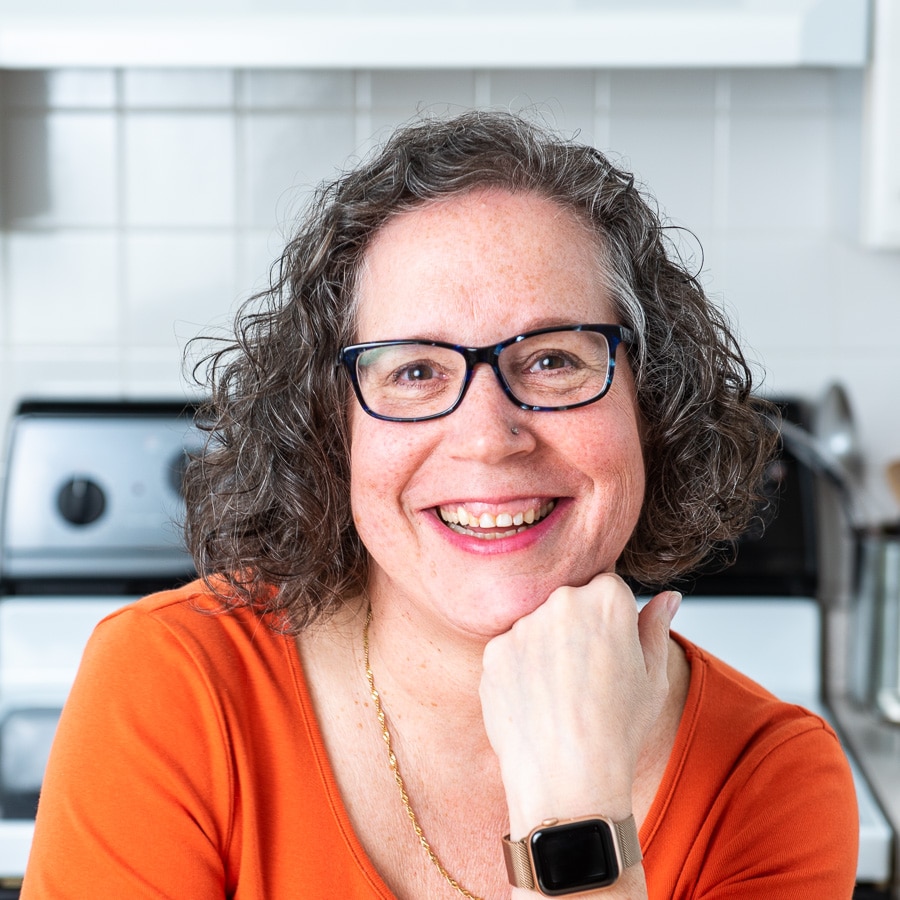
x=518 y=856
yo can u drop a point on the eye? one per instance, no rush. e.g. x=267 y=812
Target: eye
x=547 y=362
x=418 y=372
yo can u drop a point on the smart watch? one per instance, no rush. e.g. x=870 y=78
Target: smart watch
x=562 y=857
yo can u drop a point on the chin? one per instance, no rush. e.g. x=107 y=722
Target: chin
x=501 y=611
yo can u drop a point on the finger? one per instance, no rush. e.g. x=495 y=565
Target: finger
x=654 y=622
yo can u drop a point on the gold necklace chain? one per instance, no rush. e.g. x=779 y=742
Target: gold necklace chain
x=395 y=770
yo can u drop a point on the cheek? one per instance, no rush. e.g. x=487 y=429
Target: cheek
x=365 y=459
x=635 y=476
x=626 y=469
x=613 y=455
x=382 y=461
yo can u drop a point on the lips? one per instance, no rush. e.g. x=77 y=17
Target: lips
x=493 y=525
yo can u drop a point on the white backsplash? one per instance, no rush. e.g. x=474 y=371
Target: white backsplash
x=140 y=206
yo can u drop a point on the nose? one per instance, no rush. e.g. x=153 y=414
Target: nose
x=486 y=425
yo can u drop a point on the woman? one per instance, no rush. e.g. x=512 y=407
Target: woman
x=480 y=396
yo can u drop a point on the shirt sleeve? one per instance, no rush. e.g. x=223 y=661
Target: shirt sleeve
x=787 y=823
x=136 y=801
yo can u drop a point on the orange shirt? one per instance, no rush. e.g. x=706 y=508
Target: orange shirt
x=189 y=764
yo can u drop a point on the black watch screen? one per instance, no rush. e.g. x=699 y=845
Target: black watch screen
x=576 y=856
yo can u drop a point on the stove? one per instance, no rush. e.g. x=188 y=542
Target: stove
x=89 y=522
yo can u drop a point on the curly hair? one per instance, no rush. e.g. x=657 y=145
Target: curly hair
x=268 y=520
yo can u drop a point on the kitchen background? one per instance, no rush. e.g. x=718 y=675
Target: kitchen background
x=152 y=168
x=140 y=206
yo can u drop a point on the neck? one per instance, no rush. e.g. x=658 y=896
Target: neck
x=422 y=669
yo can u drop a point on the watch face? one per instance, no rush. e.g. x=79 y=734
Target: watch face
x=576 y=856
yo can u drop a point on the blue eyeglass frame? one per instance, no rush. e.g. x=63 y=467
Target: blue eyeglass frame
x=489 y=355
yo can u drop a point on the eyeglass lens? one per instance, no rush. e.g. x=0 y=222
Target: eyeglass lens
x=551 y=370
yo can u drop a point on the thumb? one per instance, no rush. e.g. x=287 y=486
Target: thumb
x=653 y=629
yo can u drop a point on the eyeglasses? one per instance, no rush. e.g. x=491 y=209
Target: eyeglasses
x=548 y=369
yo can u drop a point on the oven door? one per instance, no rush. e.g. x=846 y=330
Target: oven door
x=41 y=643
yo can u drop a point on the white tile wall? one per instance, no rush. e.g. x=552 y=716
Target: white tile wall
x=287 y=89
x=773 y=91
x=173 y=89
x=779 y=171
x=683 y=183
x=408 y=91
x=179 y=169
x=60 y=89
x=176 y=284
x=780 y=285
x=53 y=371
x=65 y=169
x=62 y=288
x=138 y=207
x=564 y=100
x=286 y=154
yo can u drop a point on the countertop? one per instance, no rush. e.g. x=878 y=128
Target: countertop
x=876 y=746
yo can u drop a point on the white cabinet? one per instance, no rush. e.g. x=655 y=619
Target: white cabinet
x=881 y=132
x=434 y=33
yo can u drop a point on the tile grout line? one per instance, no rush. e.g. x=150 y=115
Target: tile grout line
x=362 y=109
x=601 y=110
x=721 y=150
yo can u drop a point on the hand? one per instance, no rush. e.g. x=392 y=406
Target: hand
x=569 y=696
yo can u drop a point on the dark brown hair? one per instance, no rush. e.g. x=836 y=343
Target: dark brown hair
x=268 y=508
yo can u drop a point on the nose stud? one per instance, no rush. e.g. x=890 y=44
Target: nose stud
x=514 y=429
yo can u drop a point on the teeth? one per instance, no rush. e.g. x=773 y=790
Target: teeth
x=459 y=519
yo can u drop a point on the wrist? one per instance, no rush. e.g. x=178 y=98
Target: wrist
x=529 y=807
x=573 y=857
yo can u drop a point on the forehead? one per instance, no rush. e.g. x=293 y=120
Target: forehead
x=482 y=265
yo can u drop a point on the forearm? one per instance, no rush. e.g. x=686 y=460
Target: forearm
x=570 y=698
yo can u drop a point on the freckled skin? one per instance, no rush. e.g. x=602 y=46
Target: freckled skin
x=477 y=269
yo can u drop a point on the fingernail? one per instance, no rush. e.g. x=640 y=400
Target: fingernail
x=673 y=602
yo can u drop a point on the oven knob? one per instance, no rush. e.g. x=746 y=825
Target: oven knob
x=81 y=501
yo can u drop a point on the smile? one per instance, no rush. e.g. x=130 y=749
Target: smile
x=490 y=527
